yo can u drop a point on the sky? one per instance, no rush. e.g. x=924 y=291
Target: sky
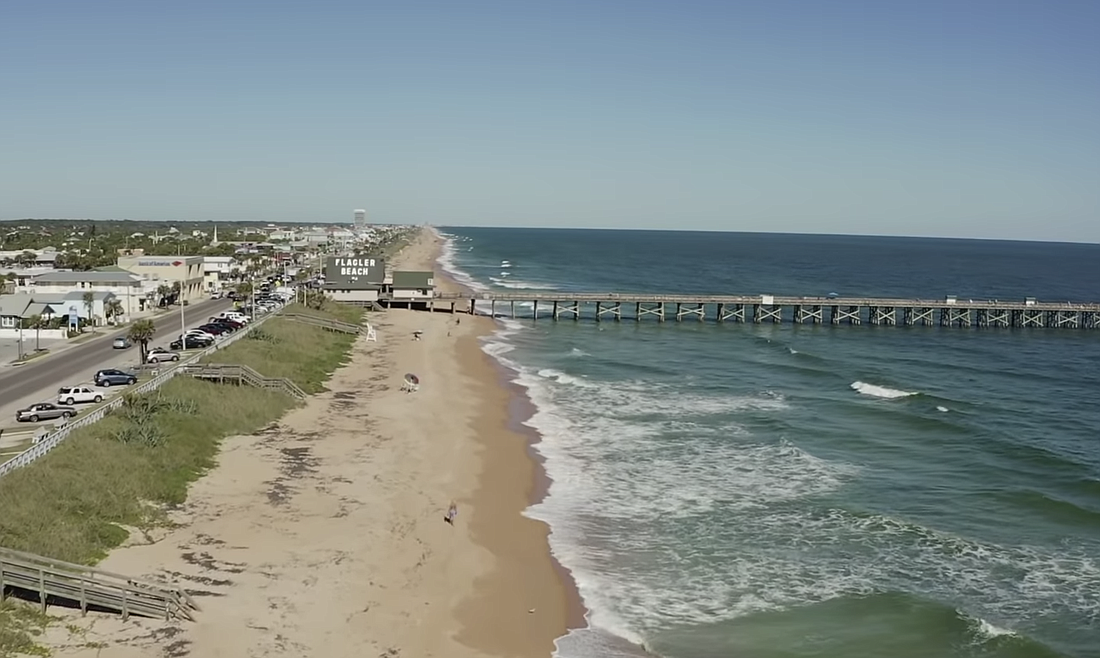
x=973 y=118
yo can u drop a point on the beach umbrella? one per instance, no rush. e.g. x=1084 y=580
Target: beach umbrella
x=412 y=379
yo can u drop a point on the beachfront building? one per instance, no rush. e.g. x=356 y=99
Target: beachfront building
x=188 y=271
x=127 y=288
x=412 y=286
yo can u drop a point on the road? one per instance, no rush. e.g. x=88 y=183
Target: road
x=38 y=380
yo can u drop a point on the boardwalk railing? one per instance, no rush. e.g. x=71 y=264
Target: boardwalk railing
x=54 y=581
x=948 y=311
x=241 y=374
x=324 y=323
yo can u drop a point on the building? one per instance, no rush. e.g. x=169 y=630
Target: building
x=412 y=286
x=217 y=270
x=188 y=271
x=360 y=219
x=130 y=289
x=63 y=303
x=17 y=309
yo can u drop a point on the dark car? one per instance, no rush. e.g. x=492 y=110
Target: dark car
x=193 y=343
x=112 y=377
x=214 y=329
x=44 y=411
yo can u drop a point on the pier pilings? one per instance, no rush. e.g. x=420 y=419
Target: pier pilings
x=771 y=309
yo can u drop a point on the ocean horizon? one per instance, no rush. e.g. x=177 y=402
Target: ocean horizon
x=766 y=491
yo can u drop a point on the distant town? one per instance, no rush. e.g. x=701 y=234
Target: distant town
x=113 y=272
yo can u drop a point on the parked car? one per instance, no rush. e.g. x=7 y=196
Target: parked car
x=192 y=343
x=43 y=411
x=200 y=334
x=71 y=395
x=121 y=343
x=112 y=377
x=160 y=355
x=213 y=329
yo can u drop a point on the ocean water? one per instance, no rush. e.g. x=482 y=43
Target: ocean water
x=766 y=491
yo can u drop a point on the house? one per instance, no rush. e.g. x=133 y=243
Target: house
x=412 y=286
x=127 y=287
x=16 y=310
x=63 y=303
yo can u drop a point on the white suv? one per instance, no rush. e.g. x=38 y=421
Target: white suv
x=71 y=395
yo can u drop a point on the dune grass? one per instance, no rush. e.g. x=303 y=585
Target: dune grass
x=305 y=354
x=74 y=503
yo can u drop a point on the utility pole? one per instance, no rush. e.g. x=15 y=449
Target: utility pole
x=183 y=323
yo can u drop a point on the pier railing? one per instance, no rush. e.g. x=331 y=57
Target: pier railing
x=598 y=306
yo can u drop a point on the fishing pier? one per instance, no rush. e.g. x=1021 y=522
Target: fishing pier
x=944 y=312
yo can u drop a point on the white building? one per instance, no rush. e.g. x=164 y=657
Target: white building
x=126 y=287
x=360 y=219
x=217 y=270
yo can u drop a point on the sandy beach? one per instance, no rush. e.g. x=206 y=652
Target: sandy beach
x=323 y=534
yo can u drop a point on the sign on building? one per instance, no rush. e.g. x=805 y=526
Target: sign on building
x=354 y=272
x=159 y=263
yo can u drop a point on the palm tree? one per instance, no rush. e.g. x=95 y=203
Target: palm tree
x=141 y=332
x=89 y=304
x=113 y=310
x=244 y=288
x=163 y=291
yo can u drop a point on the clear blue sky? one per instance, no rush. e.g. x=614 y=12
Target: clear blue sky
x=935 y=117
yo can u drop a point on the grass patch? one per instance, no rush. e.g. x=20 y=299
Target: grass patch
x=70 y=504
x=126 y=470
x=20 y=627
x=303 y=353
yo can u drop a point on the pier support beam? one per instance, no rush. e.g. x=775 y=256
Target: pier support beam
x=684 y=310
x=882 y=315
x=952 y=316
x=913 y=316
x=766 y=313
x=615 y=310
x=842 y=314
x=562 y=308
x=808 y=314
x=535 y=310
x=654 y=308
x=734 y=312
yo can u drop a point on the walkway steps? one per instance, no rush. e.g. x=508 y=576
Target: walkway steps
x=241 y=374
x=324 y=323
x=90 y=588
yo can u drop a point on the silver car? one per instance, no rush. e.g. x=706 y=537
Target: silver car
x=44 y=411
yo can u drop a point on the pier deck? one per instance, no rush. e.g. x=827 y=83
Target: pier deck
x=946 y=312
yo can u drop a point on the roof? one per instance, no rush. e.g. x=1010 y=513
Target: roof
x=110 y=268
x=416 y=280
x=90 y=277
x=73 y=296
x=14 y=305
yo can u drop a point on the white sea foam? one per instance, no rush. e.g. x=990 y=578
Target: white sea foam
x=942 y=409
x=883 y=392
x=516 y=284
x=576 y=351
x=446 y=260
x=668 y=511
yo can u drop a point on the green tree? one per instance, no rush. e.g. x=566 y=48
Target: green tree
x=163 y=292
x=36 y=322
x=27 y=259
x=113 y=309
x=89 y=305
x=141 y=332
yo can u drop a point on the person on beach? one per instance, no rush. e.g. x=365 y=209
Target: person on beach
x=452 y=512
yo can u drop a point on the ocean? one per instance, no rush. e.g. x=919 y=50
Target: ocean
x=767 y=491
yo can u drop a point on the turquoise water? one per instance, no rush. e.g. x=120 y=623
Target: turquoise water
x=767 y=491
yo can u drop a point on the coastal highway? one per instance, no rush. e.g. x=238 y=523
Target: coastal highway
x=39 y=379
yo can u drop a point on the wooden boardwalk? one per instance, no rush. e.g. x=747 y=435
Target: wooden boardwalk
x=946 y=312
x=55 y=582
x=324 y=323
x=239 y=374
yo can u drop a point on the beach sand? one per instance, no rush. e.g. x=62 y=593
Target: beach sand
x=323 y=534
